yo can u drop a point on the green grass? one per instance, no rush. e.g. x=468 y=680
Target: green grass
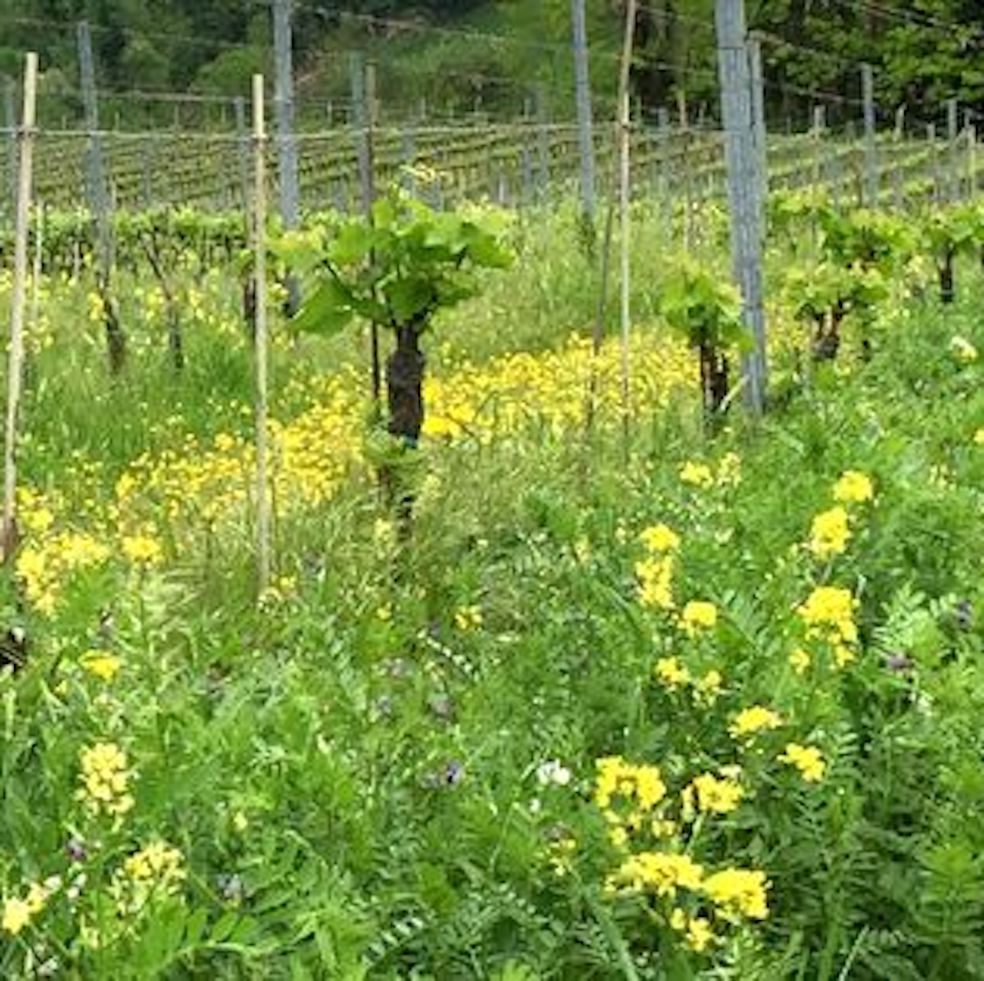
x=355 y=795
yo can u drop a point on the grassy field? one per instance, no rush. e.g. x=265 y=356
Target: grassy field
x=698 y=705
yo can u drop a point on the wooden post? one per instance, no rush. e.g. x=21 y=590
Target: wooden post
x=584 y=117
x=15 y=357
x=38 y=256
x=259 y=247
x=688 y=185
x=740 y=153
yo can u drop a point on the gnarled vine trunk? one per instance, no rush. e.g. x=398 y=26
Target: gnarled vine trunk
x=713 y=379
x=405 y=400
x=947 y=284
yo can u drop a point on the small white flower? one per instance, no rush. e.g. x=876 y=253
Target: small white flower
x=552 y=772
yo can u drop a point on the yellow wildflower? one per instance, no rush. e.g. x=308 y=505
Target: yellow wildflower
x=671 y=673
x=713 y=794
x=752 y=720
x=829 y=613
x=660 y=538
x=800 y=660
x=101 y=663
x=806 y=759
x=142 y=549
x=829 y=533
x=16 y=916
x=708 y=687
x=979 y=436
x=696 y=474
x=729 y=470
x=467 y=618
x=698 y=615
x=155 y=870
x=105 y=777
x=656 y=581
x=699 y=934
x=963 y=350
x=678 y=919
x=660 y=872
x=738 y=891
x=853 y=487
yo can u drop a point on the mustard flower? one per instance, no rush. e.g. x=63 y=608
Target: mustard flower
x=697 y=474
x=807 y=759
x=738 y=892
x=829 y=533
x=671 y=673
x=102 y=664
x=752 y=720
x=853 y=487
x=660 y=538
x=698 y=615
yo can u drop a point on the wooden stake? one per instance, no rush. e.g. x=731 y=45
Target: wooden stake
x=16 y=353
x=259 y=246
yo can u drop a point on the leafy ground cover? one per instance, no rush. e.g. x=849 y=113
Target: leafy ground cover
x=712 y=710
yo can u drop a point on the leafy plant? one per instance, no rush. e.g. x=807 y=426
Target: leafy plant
x=706 y=311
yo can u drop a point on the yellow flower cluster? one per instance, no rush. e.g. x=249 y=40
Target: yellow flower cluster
x=506 y=395
x=697 y=474
x=829 y=533
x=659 y=872
x=698 y=615
x=468 y=618
x=828 y=613
x=17 y=912
x=45 y=568
x=156 y=870
x=707 y=793
x=673 y=675
x=102 y=664
x=697 y=930
x=738 y=892
x=143 y=550
x=853 y=487
x=963 y=350
x=753 y=720
x=807 y=759
x=655 y=571
x=105 y=778
x=635 y=788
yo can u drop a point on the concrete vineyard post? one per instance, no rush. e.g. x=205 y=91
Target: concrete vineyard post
x=542 y=143
x=624 y=202
x=740 y=157
x=242 y=148
x=290 y=206
x=870 y=196
x=95 y=171
x=953 y=149
x=15 y=355
x=585 y=130
x=760 y=183
x=362 y=80
x=261 y=342
x=971 y=129
x=10 y=121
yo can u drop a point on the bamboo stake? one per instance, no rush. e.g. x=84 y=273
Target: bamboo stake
x=259 y=246
x=16 y=353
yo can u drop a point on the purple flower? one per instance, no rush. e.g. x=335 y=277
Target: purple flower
x=75 y=849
